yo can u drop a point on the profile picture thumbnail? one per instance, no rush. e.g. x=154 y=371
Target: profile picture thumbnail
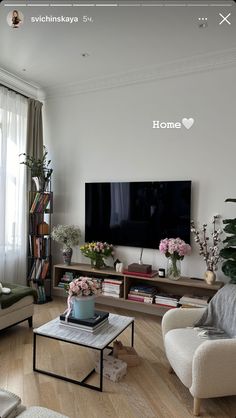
x=15 y=19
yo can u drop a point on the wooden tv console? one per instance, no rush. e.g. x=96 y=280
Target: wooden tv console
x=185 y=285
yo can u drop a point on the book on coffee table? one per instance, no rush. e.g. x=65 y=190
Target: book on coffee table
x=84 y=328
x=90 y=324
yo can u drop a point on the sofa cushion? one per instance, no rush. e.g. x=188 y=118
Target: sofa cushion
x=180 y=346
x=27 y=300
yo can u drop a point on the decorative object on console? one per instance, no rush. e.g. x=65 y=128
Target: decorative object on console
x=174 y=249
x=81 y=293
x=119 y=267
x=40 y=172
x=116 y=262
x=161 y=272
x=229 y=251
x=43 y=228
x=140 y=268
x=97 y=251
x=68 y=236
x=211 y=253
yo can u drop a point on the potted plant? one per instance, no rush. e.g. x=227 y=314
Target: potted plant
x=81 y=297
x=229 y=251
x=40 y=171
x=68 y=236
x=174 y=249
x=97 y=251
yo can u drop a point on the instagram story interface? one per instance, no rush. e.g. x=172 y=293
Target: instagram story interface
x=138 y=103
x=179 y=53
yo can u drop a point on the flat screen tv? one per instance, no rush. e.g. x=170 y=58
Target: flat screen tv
x=137 y=214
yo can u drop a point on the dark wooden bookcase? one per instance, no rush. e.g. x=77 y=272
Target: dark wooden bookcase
x=40 y=208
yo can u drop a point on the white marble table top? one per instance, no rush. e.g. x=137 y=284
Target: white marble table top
x=98 y=339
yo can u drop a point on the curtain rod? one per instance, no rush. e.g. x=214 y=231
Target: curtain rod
x=10 y=89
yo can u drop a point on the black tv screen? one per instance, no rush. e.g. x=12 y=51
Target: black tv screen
x=137 y=214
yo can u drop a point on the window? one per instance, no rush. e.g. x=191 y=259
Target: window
x=13 y=118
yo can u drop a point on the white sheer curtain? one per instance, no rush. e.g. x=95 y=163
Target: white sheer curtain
x=13 y=231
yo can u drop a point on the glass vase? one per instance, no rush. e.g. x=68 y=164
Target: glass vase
x=98 y=262
x=173 y=268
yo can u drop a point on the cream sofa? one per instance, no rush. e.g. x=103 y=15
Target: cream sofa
x=18 y=312
x=206 y=367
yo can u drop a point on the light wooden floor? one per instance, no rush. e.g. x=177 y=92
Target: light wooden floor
x=148 y=391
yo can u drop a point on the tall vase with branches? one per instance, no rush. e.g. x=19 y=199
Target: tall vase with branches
x=208 y=249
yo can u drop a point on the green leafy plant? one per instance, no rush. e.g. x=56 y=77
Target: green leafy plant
x=229 y=250
x=39 y=166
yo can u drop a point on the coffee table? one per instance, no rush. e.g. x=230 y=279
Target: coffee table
x=99 y=340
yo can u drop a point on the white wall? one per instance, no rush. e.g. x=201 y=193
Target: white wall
x=108 y=136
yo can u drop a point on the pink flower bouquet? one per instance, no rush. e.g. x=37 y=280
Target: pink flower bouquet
x=83 y=286
x=174 y=248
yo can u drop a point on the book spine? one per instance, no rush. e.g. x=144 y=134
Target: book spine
x=116 y=282
x=112 y=286
x=33 y=206
x=135 y=298
x=134 y=292
x=165 y=305
x=113 y=295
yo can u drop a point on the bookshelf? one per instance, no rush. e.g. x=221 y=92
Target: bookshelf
x=39 y=245
x=185 y=285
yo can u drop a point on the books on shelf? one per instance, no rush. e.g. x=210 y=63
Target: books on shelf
x=39 y=269
x=67 y=277
x=137 y=298
x=112 y=287
x=194 y=301
x=61 y=285
x=168 y=300
x=91 y=324
x=40 y=202
x=39 y=246
x=144 y=290
x=142 y=293
x=40 y=291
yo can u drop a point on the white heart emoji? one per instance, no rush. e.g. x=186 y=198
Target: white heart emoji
x=188 y=123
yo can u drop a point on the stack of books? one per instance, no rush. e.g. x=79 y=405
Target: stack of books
x=167 y=300
x=191 y=301
x=67 y=277
x=142 y=293
x=90 y=325
x=112 y=287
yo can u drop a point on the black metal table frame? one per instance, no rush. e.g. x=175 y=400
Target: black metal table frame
x=83 y=381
